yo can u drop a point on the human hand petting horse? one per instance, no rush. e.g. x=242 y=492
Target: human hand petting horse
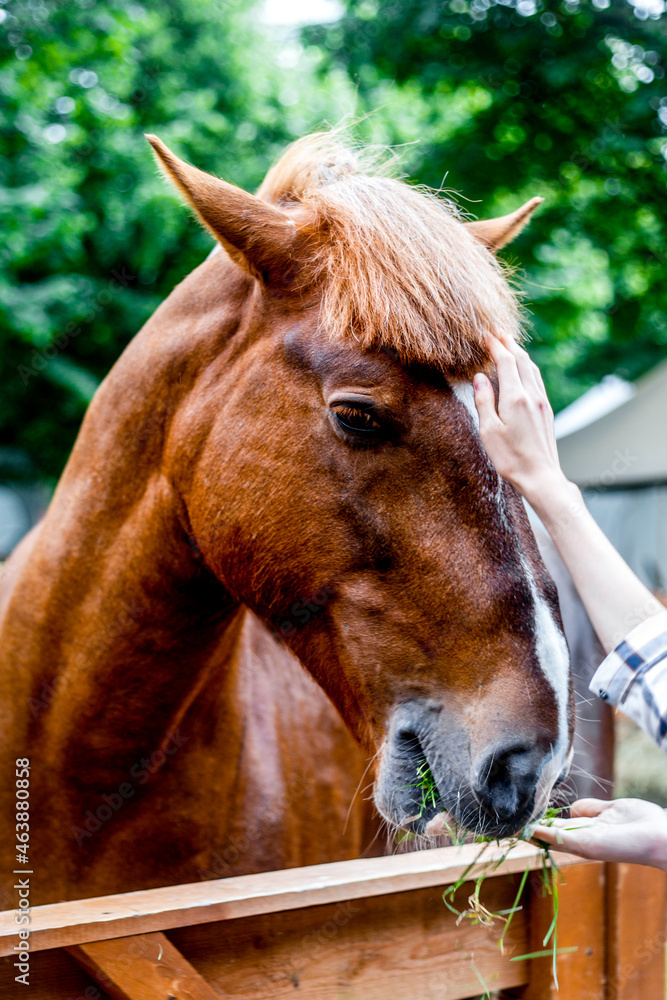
x=519 y=438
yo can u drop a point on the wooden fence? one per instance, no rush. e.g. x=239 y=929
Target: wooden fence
x=372 y=929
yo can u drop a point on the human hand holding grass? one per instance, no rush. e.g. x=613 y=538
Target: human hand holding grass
x=620 y=830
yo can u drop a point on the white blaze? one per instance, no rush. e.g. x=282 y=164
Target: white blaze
x=465 y=394
x=552 y=652
x=554 y=659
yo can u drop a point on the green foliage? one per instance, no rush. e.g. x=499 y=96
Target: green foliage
x=478 y=913
x=498 y=101
x=94 y=238
x=524 y=97
x=427 y=786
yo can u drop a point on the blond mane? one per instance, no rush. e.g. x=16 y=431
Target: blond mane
x=397 y=266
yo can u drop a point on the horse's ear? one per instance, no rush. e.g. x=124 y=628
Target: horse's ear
x=495 y=233
x=256 y=235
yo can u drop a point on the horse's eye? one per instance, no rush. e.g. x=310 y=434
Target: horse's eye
x=355 y=420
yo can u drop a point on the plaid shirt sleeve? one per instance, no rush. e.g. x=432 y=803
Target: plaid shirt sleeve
x=633 y=677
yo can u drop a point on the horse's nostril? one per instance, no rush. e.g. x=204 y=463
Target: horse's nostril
x=407 y=738
x=507 y=778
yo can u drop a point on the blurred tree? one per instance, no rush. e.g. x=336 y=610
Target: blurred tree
x=507 y=100
x=93 y=237
x=512 y=98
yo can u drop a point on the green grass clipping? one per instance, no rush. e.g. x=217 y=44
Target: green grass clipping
x=475 y=911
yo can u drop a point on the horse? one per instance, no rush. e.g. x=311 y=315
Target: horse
x=278 y=558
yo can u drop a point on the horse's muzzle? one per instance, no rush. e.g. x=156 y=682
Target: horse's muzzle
x=428 y=766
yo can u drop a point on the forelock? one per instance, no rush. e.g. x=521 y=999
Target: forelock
x=395 y=264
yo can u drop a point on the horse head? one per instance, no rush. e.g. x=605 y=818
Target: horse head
x=333 y=479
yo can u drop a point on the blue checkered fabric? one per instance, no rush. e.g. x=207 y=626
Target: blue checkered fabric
x=633 y=677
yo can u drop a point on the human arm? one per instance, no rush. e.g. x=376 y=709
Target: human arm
x=621 y=830
x=520 y=440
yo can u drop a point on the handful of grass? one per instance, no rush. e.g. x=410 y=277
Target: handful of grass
x=475 y=910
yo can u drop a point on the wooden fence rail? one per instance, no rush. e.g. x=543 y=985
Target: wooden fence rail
x=357 y=930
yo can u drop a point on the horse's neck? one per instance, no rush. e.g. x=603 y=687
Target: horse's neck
x=113 y=621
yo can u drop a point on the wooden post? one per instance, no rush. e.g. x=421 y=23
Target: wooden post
x=635 y=917
x=581 y=973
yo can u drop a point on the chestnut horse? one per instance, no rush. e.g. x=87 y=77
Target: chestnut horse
x=283 y=471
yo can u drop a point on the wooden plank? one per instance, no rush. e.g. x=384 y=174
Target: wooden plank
x=636 y=932
x=104 y=917
x=581 y=925
x=406 y=946
x=144 y=967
